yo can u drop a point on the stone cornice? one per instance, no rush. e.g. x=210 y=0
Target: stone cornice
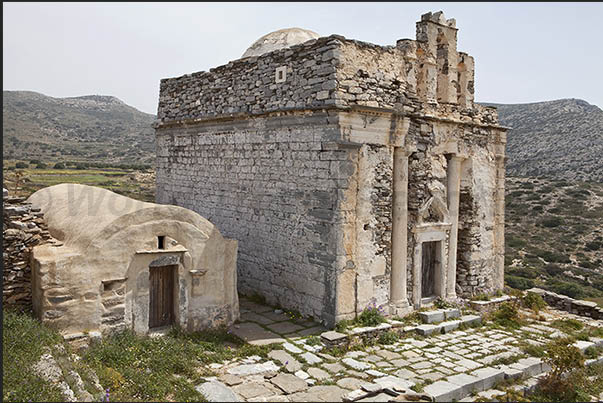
x=294 y=111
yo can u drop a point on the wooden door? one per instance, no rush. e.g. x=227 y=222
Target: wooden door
x=161 y=303
x=428 y=269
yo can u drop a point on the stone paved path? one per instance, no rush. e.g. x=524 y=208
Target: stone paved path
x=454 y=365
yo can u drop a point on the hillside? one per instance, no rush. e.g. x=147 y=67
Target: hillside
x=554 y=236
x=87 y=128
x=560 y=139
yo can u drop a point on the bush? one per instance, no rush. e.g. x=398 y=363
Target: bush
x=371 y=316
x=526 y=272
x=551 y=222
x=562 y=287
x=59 y=165
x=389 y=337
x=21 y=165
x=41 y=165
x=34 y=162
x=553 y=270
x=507 y=315
x=534 y=302
x=567 y=376
x=519 y=283
x=553 y=257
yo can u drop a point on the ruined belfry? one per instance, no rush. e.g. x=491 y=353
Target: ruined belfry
x=350 y=173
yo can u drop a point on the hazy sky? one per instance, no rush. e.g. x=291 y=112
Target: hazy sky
x=524 y=52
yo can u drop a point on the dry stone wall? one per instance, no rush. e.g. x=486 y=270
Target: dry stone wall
x=23 y=228
x=252 y=85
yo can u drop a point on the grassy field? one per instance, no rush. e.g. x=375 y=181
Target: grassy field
x=138 y=184
x=129 y=367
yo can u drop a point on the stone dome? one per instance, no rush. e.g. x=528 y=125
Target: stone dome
x=283 y=38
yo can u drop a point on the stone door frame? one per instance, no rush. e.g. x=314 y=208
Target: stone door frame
x=430 y=233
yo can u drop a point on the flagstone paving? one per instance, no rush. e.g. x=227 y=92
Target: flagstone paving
x=455 y=365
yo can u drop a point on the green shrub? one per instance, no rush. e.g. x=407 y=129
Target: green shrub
x=389 y=337
x=553 y=257
x=514 y=241
x=441 y=303
x=519 y=283
x=41 y=165
x=551 y=222
x=562 y=287
x=507 y=315
x=567 y=376
x=526 y=272
x=371 y=316
x=59 y=165
x=568 y=325
x=21 y=165
x=313 y=340
x=592 y=352
x=534 y=302
x=342 y=325
x=553 y=270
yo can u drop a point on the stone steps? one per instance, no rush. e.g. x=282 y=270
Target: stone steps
x=447 y=326
x=458 y=387
x=453 y=321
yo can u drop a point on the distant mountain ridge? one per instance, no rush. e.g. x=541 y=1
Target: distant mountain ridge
x=560 y=139
x=90 y=127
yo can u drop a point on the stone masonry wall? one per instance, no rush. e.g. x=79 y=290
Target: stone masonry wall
x=251 y=85
x=23 y=228
x=246 y=146
x=272 y=185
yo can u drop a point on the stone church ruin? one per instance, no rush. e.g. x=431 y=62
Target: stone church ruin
x=120 y=263
x=351 y=173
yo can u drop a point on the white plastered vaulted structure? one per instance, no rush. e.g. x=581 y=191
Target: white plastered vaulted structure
x=129 y=264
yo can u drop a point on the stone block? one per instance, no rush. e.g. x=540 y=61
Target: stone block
x=432 y=316
x=333 y=336
x=215 y=391
x=357 y=365
x=251 y=369
x=471 y=319
x=395 y=383
x=442 y=391
x=427 y=330
x=583 y=345
x=511 y=373
x=355 y=395
x=488 y=377
x=289 y=383
x=311 y=358
x=468 y=383
x=449 y=326
x=318 y=374
x=452 y=313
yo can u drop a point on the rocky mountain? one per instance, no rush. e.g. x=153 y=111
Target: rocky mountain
x=93 y=128
x=560 y=139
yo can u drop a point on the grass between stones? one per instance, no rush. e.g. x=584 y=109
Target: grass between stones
x=24 y=340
